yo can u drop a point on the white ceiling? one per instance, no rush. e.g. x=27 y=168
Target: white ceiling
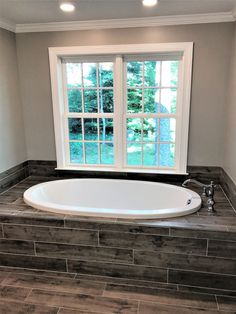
x=44 y=11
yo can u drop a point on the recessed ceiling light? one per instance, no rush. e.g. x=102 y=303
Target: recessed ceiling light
x=149 y=3
x=67 y=6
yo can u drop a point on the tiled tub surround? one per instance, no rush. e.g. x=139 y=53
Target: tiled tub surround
x=13 y=175
x=184 y=261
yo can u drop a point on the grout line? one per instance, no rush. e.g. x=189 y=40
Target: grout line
x=35 y=248
x=138 y=307
x=98 y=235
x=67 y=270
x=104 y=289
x=207 y=248
x=3 y=235
x=27 y=294
x=217 y=304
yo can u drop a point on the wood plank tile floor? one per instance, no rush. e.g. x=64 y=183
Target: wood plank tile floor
x=25 y=291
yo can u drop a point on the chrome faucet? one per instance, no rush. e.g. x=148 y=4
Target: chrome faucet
x=208 y=191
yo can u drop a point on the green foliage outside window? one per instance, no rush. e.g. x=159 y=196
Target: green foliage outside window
x=145 y=93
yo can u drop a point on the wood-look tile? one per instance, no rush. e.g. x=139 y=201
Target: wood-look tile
x=155 y=308
x=17 y=247
x=226 y=303
x=186 y=262
x=206 y=290
x=200 y=279
x=229 y=187
x=37 y=272
x=20 y=201
x=33 y=218
x=83 y=302
x=84 y=252
x=214 y=220
x=203 y=234
x=11 y=307
x=33 y=262
x=9 y=181
x=54 y=284
x=221 y=211
x=125 y=281
x=70 y=311
x=50 y=234
x=153 y=242
x=118 y=270
x=222 y=249
x=121 y=226
x=12 y=170
x=3 y=275
x=1 y=231
x=161 y=296
x=13 y=293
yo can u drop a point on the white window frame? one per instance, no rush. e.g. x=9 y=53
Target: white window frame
x=57 y=54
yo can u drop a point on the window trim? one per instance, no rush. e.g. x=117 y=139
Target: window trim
x=56 y=55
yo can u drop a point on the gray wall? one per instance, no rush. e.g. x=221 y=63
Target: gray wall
x=210 y=73
x=230 y=132
x=12 y=142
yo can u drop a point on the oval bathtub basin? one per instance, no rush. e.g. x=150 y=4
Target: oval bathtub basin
x=113 y=198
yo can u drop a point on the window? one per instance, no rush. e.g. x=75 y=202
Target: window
x=122 y=108
x=89 y=107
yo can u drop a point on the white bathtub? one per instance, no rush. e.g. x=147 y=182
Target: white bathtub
x=113 y=198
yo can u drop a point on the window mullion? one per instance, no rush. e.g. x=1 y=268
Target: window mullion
x=118 y=112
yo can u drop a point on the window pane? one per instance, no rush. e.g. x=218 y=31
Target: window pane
x=106 y=74
x=91 y=153
x=75 y=129
x=134 y=73
x=90 y=74
x=74 y=100
x=90 y=101
x=90 y=130
x=150 y=154
x=150 y=130
x=167 y=129
x=134 y=129
x=151 y=100
x=107 y=153
x=76 y=153
x=169 y=73
x=168 y=100
x=106 y=100
x=73 y=74
x=106 y=129
x=152 y=73
x=134 y=100
x=167 y=155
x=134 y=154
